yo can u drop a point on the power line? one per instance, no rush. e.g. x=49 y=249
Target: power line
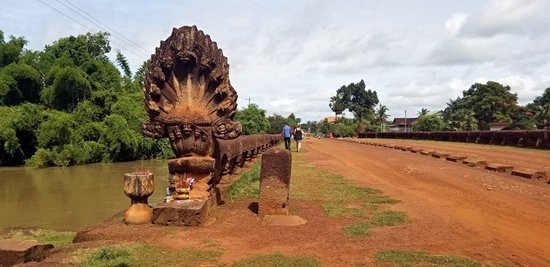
x=122 y=37
x=85 y=26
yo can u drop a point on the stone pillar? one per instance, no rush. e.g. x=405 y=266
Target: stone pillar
x=274 y=182
x=138 y=186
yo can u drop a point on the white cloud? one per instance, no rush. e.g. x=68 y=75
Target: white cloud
x=292 y=56
x=455 y=23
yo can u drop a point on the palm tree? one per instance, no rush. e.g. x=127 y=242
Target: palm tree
x=422 y=112
x=381 y=117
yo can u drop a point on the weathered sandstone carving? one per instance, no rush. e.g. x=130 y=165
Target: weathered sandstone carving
x=190 y=101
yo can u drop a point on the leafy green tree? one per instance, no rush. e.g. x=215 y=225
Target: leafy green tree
x=9 y=92
x=276 y=123
x=338 y=103
x=422 y=112
x=121 y=142
x=11 y=50
x=68 y=89
x=81 y=48
x=133 y=113
x=18 y=126
x=86 y=112
x=56 y=131
x=311 y=126
x=292 y=120
x=362 y=101
x=522 y=119
x=344 y=128
x=458 y=117
x=26 y=123
x=541 y=109
x=89 y=54
x=253 y=120
x=28 y=81
x=490 y=102
x=324 y=127
x=356 y=99
x=139 y=76
x=429 y=123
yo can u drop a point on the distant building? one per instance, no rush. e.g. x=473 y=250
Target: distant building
x=330 y=119
x=497 y=126
x=401 y=124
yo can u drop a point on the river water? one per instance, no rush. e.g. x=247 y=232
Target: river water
x=69 y=198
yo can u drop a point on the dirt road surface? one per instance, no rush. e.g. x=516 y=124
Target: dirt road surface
x=454 y=208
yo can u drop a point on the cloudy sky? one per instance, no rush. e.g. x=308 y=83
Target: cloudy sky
x=292 y=56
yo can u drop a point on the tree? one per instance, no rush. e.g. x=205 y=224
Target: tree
x=56 y=131
x=11 y=50
x=28 y=81
x=541 y=109
x=338 y=102
x=522 y=119
x=253 y=120
x=361 y=102
x=276 y=123
x=81 y=48
x=429 y=123
x=381 y=117
x=9 y=92
x=490 y=102
x=69 y=87
x=422 y=112
x=121 y=142
x=344 y=128
x=123 y=64
x=87 y=52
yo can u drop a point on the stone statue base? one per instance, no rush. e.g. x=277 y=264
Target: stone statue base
x=191 y=212
x=138 y=213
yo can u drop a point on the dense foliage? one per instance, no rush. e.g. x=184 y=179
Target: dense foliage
x=253 y=120
x=355 y=98
x=69 y=104
x=476 y=109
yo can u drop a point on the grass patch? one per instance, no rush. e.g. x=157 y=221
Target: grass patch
x=420 y=258
x=389 y=218
x=144 y=255
x=248 y=185
x=58 y=239
x=339 y=198
x=277 y=260
x=358 y=229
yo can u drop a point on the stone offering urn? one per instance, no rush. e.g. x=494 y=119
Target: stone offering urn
x=138 y=186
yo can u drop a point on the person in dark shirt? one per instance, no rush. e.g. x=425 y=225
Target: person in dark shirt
x=298 y=138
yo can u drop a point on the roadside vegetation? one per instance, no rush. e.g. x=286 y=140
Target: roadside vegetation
x=58 y=239
x=421 y=258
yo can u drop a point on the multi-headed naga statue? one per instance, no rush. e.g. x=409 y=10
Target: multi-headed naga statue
x=190 y=100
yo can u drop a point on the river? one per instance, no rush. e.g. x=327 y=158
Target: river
x=67 y=199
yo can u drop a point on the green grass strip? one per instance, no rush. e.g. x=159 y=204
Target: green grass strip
x=276 y=260
x=420 y=258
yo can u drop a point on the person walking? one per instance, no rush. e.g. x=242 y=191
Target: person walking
x=298 y=138
x=287 y=133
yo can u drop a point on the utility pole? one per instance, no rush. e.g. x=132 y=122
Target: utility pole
x=248 y=100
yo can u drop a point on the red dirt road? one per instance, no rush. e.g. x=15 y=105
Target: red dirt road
x=453 y=208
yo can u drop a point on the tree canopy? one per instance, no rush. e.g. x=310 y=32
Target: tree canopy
x=253 y=120
x=69 y=104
